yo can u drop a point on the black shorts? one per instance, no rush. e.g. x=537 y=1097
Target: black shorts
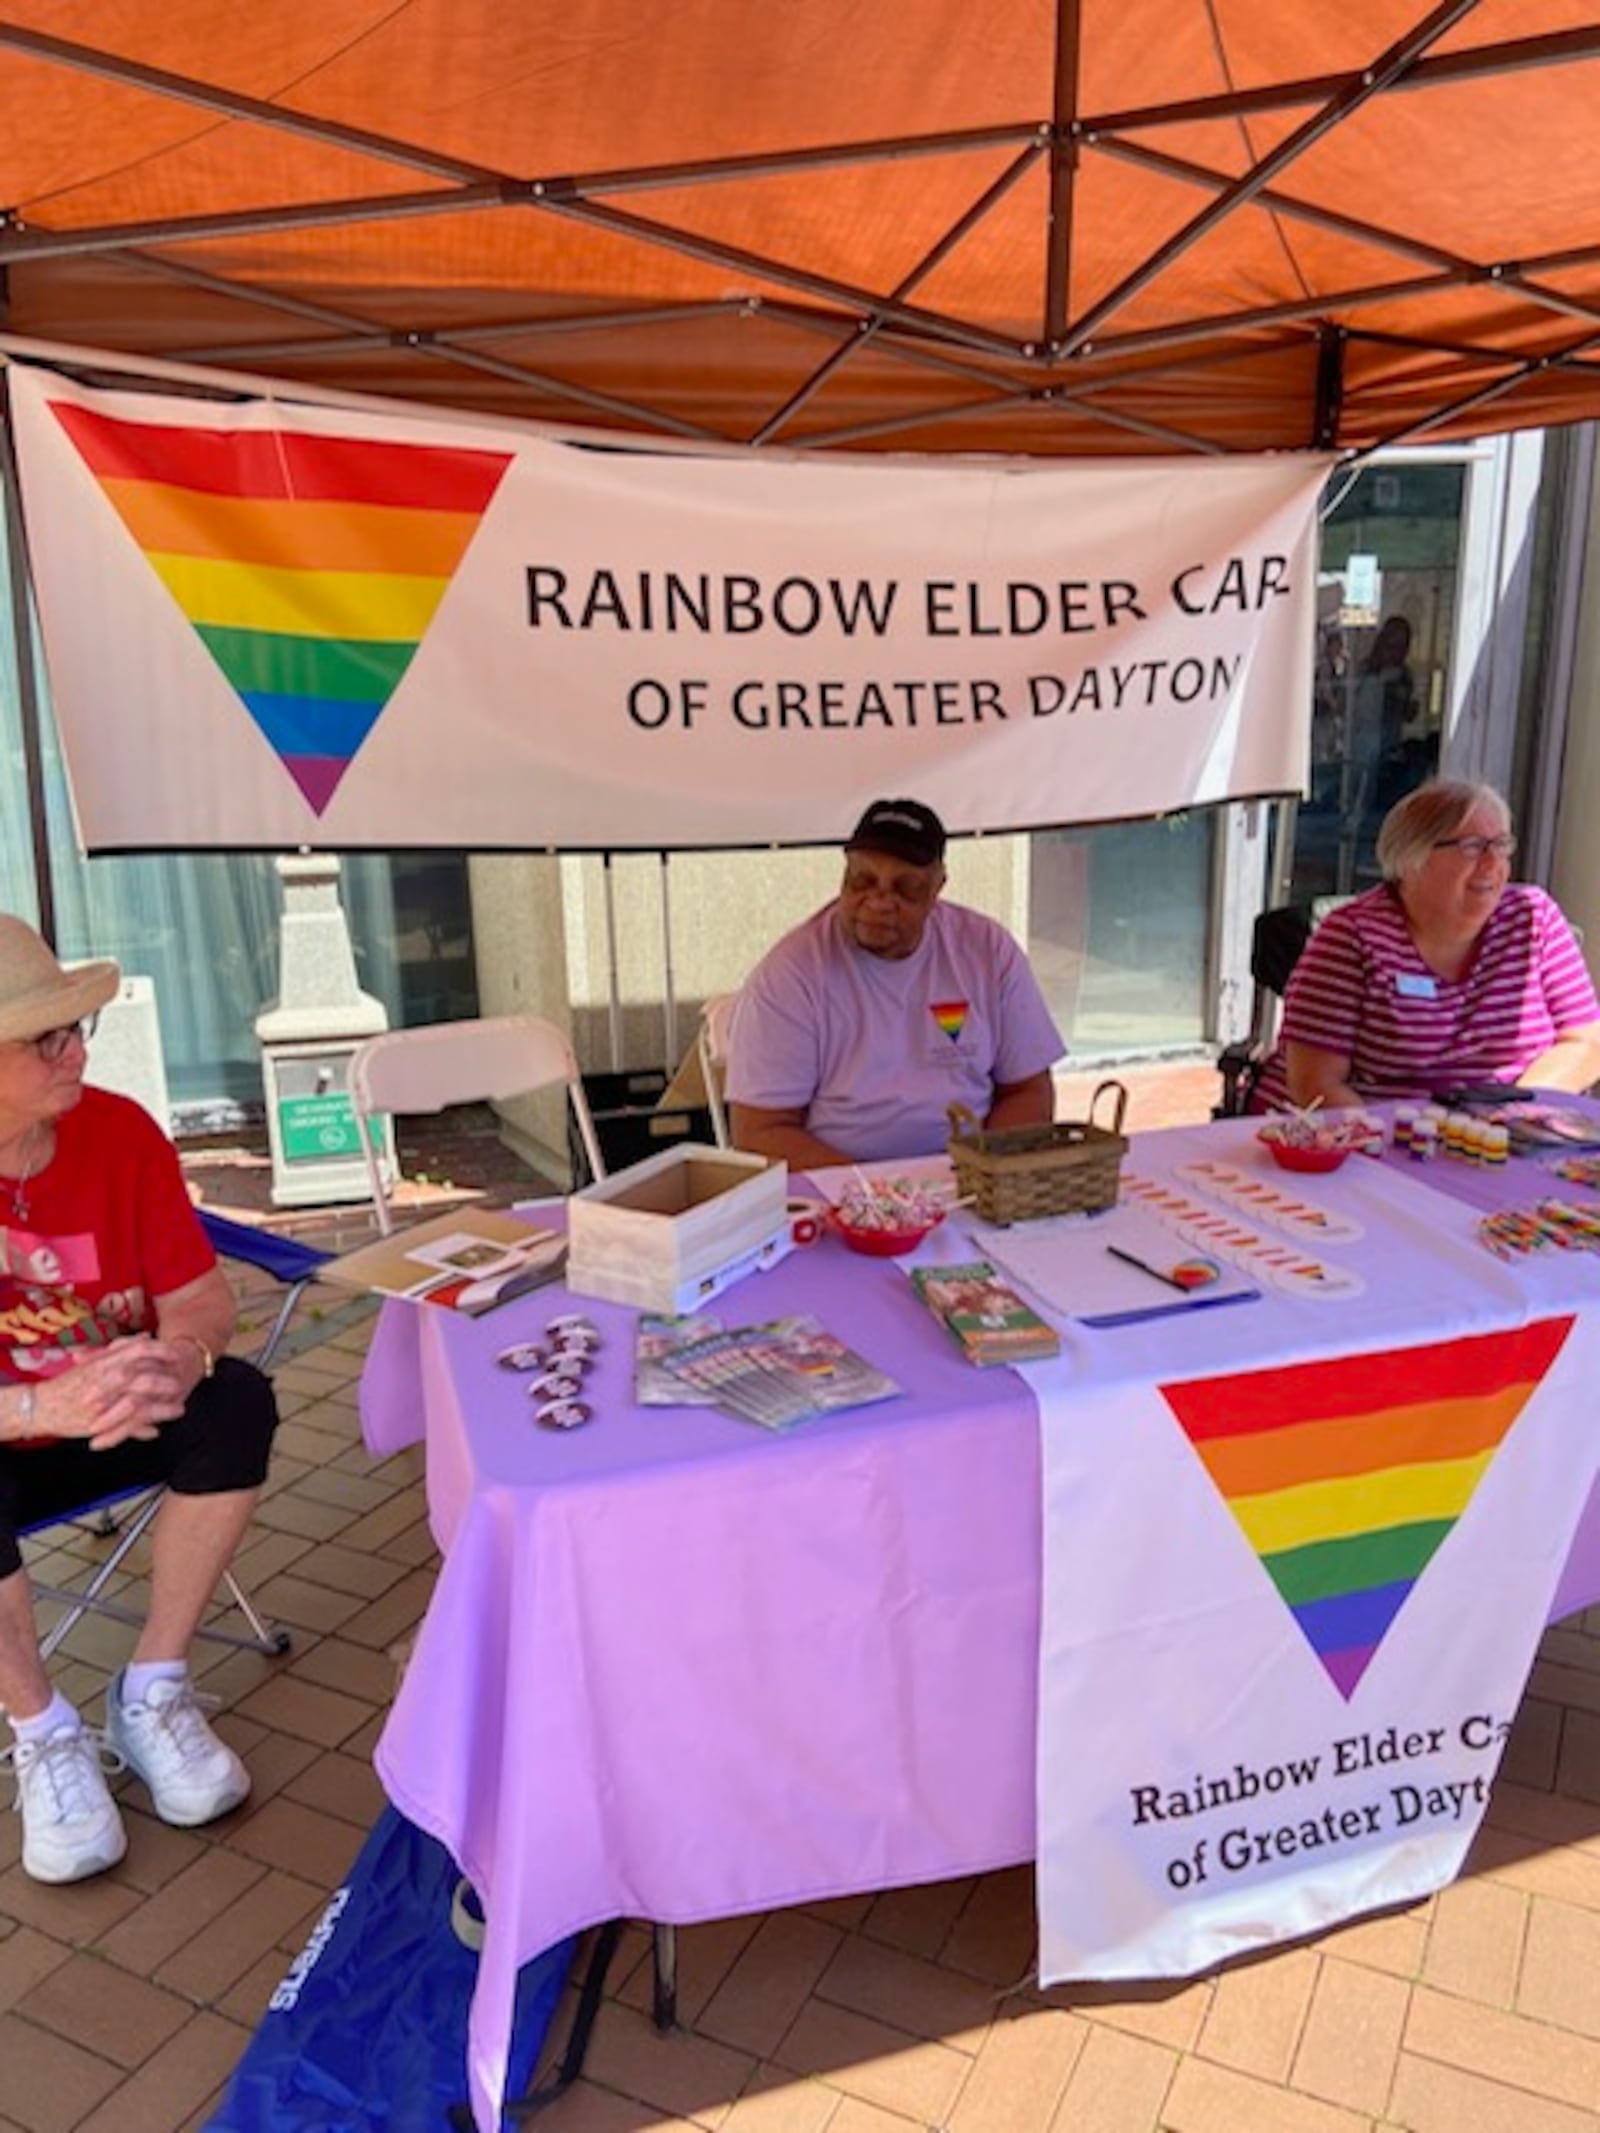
x=219 y=1443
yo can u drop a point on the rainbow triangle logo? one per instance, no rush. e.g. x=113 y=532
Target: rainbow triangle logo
x=951 y=1016
x=1346 y=1477
x=310 y=567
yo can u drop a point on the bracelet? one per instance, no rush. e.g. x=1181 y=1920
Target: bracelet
x=208 y=1362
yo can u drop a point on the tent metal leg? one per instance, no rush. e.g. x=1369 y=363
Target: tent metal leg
x=27 y=675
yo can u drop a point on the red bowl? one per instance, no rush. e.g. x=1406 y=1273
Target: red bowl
x=1289 y=1157
x=881 y=1243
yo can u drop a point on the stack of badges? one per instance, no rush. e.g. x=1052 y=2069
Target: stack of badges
x=561 y=1359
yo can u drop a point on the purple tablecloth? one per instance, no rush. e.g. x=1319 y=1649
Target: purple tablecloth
x=679 y=1668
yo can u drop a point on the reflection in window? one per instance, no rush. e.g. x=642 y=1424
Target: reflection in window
x=1117 y=931
x=1386 y=608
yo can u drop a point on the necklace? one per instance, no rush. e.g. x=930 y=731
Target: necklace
x=18 y=1187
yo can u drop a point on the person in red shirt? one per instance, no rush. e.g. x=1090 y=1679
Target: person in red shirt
x=113 y=1318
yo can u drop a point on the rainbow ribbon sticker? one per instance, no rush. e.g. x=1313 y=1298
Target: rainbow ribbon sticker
x=1346 y=1477
x=310 y=567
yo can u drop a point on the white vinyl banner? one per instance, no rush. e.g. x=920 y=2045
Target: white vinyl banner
x=1288 y=1619
x=275 y=625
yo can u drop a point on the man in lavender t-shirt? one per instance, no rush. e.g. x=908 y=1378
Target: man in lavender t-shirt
x=855 y=1033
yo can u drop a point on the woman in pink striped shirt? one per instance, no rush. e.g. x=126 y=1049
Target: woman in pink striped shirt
x=1446 y=973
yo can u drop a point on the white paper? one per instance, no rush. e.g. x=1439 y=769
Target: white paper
x=1066 y=1264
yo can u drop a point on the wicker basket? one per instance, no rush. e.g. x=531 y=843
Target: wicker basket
x=1020 y=1173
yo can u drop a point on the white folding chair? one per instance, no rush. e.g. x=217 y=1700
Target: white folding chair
x=715 y=1018
x=410 y=1071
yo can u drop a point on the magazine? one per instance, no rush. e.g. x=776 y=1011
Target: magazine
x=985 y=1317
x=779 y=1373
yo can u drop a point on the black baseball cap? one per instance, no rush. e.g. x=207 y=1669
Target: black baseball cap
x=905 y=829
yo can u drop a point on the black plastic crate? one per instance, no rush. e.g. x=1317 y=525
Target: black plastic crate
x=627 y=1123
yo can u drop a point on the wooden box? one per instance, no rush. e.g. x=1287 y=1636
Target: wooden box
x=669 y=1233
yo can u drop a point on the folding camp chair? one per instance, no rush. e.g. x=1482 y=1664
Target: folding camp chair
x=715 y=1018
x=410 y=1071
x=292 y=1266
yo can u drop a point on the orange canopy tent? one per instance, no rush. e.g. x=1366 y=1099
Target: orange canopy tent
x=1000 y=226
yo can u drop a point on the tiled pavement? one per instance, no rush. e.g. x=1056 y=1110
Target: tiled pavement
x=124 y=2002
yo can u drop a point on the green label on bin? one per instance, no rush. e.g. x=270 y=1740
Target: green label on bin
x=317 y=1128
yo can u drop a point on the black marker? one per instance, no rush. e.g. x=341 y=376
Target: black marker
x=1199 y=1272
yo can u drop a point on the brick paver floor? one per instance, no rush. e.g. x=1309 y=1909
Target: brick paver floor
x=125 y=2002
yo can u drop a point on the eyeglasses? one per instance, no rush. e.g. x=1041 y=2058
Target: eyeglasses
x=1477 y=848
x=52 y=1045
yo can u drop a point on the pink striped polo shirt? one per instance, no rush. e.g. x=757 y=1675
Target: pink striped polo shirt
x=1361 y=991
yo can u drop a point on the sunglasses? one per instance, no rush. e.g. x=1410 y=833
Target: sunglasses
x=53 y=1045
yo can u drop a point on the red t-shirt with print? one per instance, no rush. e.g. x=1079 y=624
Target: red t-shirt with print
x=109 y=1227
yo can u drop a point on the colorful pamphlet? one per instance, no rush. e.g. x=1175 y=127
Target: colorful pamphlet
x=987 y=1319
x=777 y=1374
x=657 y=1340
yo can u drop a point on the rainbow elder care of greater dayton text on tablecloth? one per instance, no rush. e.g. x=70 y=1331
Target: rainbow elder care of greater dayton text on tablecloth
x=809 y=1662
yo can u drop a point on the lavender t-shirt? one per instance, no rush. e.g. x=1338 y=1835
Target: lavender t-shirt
x=875 y=1050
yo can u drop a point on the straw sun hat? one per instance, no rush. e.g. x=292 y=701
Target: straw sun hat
x=36 y=994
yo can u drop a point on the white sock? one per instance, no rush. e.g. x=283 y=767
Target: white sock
x=141 y=1677
x=57 y=1713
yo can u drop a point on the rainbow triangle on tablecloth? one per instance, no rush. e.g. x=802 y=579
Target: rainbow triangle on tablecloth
x=309 y=566
x=1346 y=1477
x=951 y=1016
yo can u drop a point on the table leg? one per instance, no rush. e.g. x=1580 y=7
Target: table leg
x=665 y=1944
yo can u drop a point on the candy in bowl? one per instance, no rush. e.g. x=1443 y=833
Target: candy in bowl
x=1302 y=1141
x=885 y=1217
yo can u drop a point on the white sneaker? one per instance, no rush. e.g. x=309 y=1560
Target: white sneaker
x=193 y=1777
x=70 y=1824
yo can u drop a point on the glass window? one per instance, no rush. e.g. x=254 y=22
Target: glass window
x=1118 y=927
x=1386 y=610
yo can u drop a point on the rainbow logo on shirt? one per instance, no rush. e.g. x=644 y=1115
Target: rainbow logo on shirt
x=310 y=567
x=951 y=1016
x=1346 y=1477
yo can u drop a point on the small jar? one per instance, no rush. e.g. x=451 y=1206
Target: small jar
x=1405 y=1123
x=1424 y=1139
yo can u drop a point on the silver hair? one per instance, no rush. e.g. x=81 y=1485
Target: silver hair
x=1414 y=825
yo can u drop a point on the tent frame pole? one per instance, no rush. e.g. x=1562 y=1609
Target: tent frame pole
x=18 y=577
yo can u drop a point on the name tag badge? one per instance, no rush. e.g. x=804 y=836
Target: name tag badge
x=1415 y=988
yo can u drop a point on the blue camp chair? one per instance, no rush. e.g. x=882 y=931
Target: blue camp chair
x=292 y=1266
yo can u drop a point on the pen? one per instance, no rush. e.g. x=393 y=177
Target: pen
x=1188 y=1274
